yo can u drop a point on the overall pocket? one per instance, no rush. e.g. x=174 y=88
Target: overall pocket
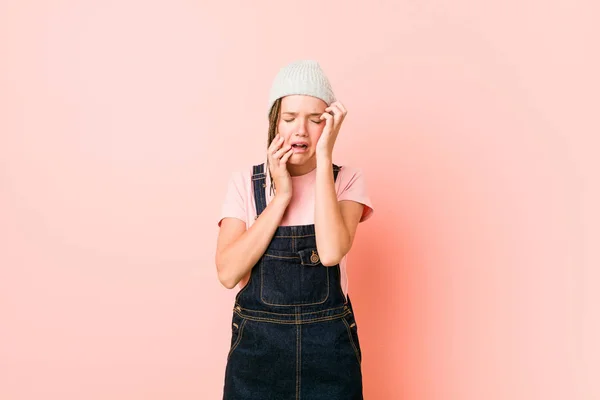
x=237 y=332
x=352 y=329
x=293 y=278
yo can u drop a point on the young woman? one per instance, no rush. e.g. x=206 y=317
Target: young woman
x=285 y=229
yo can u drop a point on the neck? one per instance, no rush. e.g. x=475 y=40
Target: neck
x=301 y=169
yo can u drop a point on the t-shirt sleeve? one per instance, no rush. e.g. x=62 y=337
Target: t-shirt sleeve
x=354 y=187
x=234 y=204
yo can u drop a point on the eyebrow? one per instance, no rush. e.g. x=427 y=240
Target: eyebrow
x=295 y=113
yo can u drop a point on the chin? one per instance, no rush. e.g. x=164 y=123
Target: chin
x=299 y=159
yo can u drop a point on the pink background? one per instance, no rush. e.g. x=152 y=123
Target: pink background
x=477 y=128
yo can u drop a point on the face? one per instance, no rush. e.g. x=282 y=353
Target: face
x=299 y=122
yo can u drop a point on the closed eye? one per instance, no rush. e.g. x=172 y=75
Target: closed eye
x=316 y=122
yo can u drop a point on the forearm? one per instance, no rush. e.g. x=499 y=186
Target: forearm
x=332 y=236
x=237 y=259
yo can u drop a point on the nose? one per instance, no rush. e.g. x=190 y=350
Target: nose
x=301 y=129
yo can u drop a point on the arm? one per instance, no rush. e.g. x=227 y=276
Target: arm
x=238 y=249
x=335 y=222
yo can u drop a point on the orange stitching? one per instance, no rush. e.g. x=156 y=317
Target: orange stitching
x=306 y=313
x=306 y=321
x=239 y=338
x=301 y=236
x=298 y=358
x=272 y=256
x=351 y=339
x=262 y=272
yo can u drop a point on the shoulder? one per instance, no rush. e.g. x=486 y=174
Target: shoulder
x=346 y=169
x=351 y=185
x=349 y=174
x=242 y=176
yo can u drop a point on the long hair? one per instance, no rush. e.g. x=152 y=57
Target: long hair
x=273 y=122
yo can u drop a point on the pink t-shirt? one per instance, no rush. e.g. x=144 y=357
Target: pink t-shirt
x=349 y=185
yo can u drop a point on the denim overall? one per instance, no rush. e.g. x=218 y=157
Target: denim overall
x=294 y=335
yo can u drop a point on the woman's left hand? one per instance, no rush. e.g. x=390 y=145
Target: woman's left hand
x=331 y=130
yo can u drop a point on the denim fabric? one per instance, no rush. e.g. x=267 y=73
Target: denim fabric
x=294 y=335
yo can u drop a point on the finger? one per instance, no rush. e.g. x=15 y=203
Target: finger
x=275 y=152
x=328 y=124
x=340 y=106
x=326 y=115
x=275 y=143
x=328 y=119
x=332 y=108
x=338 y=113
x=272 y=150
x=281 y=152
x=287 y=156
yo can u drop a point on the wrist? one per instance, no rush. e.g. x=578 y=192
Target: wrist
x=324 y=160
x=282 y=199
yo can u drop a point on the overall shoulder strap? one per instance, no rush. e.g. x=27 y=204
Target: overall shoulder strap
x=259 y=179
x=336 y=169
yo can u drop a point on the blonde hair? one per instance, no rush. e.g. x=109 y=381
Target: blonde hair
x=272 y=132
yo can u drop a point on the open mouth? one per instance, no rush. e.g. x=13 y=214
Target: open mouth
x=299 y=146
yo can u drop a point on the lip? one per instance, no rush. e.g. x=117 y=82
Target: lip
x=297 y=150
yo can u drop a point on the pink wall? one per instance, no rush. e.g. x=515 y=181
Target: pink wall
x=476 y=125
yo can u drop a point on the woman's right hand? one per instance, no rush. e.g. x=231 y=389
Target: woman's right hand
x=278 y=157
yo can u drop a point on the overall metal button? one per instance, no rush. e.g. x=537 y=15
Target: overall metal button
x=314 y=258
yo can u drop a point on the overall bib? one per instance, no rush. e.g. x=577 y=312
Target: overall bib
x=294 y=335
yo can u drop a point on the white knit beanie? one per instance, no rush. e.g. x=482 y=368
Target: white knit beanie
x=301 y=77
